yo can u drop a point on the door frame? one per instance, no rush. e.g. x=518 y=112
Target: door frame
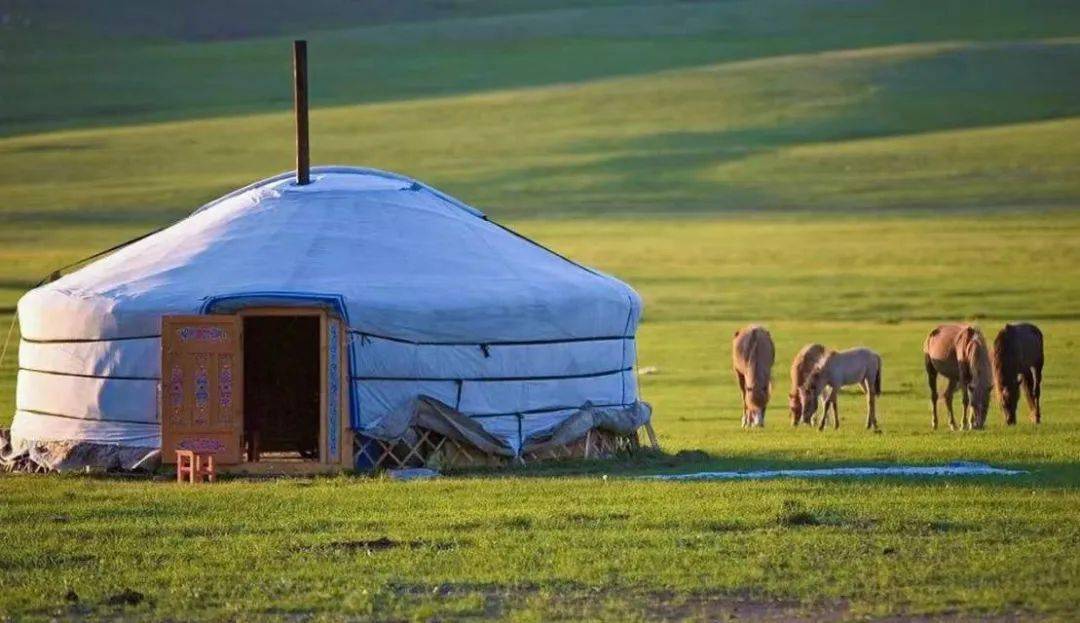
x=326 y=454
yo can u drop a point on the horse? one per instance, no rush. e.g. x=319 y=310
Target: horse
x=856 y=366
x=1017 y=358
x=959 y=353
x=752 y=354
x=801 y=366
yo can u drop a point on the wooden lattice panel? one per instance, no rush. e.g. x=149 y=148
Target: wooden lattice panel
x=431 y=449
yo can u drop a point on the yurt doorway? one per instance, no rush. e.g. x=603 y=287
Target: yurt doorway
x=264 y=386
x=282 y=387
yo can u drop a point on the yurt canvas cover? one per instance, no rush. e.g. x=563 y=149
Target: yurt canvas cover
x=435 y=300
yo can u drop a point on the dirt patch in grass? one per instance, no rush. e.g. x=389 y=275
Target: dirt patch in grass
x=792 y=513
x=126 y=597
x=372 y=546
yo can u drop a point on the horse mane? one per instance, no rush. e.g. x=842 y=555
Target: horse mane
x=751 y=345
x=761 y=385
x=976 y=351
x=818 y=369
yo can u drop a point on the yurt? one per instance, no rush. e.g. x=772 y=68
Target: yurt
x=359 y=319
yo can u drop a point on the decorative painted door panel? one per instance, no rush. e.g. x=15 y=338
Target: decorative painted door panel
x=201 y=386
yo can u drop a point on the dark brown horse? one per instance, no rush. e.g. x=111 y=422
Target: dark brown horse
x=1018 y=360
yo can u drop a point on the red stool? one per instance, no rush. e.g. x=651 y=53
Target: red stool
x=194 y=467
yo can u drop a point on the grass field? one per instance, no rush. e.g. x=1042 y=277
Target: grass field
x=847 y=172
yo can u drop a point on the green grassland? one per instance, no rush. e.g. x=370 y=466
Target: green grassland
x=846 y=172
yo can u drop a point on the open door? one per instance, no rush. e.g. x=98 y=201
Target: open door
x=202 y=386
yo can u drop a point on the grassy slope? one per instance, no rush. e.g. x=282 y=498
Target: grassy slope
x=67 y=69
x=787 y=132
x=760 y=105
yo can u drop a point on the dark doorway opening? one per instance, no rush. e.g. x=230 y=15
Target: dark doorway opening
x=281 y=387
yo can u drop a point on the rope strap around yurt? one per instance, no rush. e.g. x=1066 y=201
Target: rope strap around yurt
x=59 y=272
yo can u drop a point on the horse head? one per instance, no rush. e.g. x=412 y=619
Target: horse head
x=809 y=393
x=757 y=398
x=795 y=406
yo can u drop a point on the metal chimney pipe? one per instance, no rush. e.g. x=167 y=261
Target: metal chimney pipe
x=300 y=104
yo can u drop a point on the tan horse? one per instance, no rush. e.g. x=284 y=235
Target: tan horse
x=1017 y=356
x=804 y=363
x=752 y=355
x=959 y=353
x=855 y=366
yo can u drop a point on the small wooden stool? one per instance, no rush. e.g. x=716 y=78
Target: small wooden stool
x=194 y=467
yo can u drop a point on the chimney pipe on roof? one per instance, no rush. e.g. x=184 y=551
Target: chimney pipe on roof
x=300 y=101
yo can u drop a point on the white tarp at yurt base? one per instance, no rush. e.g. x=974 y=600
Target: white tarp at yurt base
x=437 y=301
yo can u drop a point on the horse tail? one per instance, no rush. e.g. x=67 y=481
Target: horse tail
x=929 y=339
x=877 y=378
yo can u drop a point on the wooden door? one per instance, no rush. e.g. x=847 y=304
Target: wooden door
x=202 y=391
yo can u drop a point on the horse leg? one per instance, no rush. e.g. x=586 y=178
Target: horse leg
x=833 y=397
x=1030 y=392
x=871 y=406
x=1038 y=391
x=931 y=379
x=742 y=395
x=824 y=413
x=965 y=397
x=866 y=386
x=950 y=389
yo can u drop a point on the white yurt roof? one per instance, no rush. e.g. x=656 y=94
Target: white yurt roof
x=404 y=259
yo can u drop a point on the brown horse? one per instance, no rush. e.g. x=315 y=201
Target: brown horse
x=1018 y=359
x=752 y=354
x=959 y=353
x=855 y=366
x=804 y=363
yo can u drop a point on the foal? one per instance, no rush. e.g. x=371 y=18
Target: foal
x=856 y=366
x=805 y=362
x=752 y=354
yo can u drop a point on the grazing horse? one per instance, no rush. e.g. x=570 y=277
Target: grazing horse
x=856 y=366
x=1018 y=358
x=805 y=362
x=752 y=354
x=959 y=353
